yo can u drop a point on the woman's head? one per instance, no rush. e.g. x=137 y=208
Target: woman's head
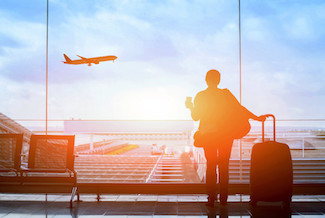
x=212 y=78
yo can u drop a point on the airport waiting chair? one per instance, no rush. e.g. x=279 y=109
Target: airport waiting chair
x=51 y=162
x=10 y=158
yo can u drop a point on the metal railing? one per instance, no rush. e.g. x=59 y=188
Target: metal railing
x=300 y=135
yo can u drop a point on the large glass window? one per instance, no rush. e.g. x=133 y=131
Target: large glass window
x=129 y=117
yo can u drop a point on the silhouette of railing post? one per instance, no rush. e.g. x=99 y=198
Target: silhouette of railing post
x=91 y=142
x=303 y=147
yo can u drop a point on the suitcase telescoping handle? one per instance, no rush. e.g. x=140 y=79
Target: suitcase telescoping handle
x=269 y=115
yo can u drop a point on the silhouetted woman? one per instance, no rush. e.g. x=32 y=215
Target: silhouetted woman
x=221 y=117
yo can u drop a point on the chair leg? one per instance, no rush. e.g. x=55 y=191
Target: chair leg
x=74 y=190
x=78 y=197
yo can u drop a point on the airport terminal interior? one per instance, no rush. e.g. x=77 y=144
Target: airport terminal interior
x=107 y=134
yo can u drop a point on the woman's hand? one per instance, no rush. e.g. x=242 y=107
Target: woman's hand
x=262 y=118
x=189 y=104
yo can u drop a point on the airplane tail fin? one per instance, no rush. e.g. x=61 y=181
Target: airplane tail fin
x=67 y=59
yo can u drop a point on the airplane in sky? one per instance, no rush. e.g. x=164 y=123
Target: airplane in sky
x=88 y=61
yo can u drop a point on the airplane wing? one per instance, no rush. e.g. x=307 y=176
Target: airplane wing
x=82 y=57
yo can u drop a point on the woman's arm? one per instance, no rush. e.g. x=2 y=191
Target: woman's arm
x=249 y=114
x=254 y=117
x=193 y=108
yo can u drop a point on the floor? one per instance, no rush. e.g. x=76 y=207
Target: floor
x=123 y=206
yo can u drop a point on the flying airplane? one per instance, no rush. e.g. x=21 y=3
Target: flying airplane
x=88 y=61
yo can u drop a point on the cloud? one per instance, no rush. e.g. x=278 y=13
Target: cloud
x=23 y=57
x=166 y=44
x=134 y=32
x=22 y=100
x=282 y=59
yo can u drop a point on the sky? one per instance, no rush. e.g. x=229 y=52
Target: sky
x=164 y=50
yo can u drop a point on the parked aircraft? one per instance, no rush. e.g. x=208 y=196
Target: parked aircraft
x=88 y=61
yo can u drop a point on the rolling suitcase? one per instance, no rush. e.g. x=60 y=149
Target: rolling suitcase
x=271 y=174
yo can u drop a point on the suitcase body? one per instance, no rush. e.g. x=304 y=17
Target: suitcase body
x=271 y=173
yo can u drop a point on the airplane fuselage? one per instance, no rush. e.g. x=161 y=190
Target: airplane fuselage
x=89 y=61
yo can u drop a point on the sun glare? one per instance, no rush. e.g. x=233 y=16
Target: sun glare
x=152 y=104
